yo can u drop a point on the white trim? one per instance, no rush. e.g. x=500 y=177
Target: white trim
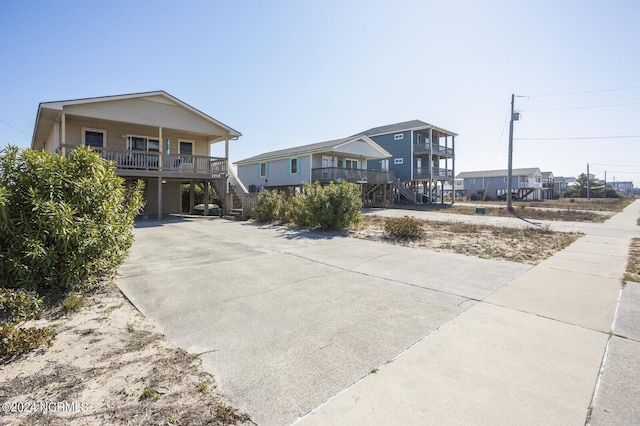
x=399 y=136
x=398 y=160
x=88 y=129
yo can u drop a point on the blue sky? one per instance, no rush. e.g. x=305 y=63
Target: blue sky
x=288 y=73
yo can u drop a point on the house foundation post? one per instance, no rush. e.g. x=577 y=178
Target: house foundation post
x=206 y=198
x=159 y=197
x=192 y=195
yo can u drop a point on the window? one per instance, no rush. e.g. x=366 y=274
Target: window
x=419 y=138
x=398 y=160
x=522 y=179
x=93 y=137
x=398 y=136
x=186 y=148
x=263 y=169
x=351 y=164
x=141 y=143
x=504 y=179
x=293 y=166
x=472 y=181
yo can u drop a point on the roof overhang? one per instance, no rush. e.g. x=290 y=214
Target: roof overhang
x=49 y=112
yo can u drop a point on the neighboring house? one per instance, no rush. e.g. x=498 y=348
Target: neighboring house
x=151 y=136
x=561 y=185
x=547 y=192
x=623 y=187
x=335 y=160
x=422 y=155
x=526 y=184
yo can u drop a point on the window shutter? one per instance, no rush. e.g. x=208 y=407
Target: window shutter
x=258 y=169
x=266 y=168
x=299 y=160
x=289 y=165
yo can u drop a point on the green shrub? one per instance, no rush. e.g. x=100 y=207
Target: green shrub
x=404 y=228
x=64 y=221
x=269 y=207
x=336 y=206
x=72 y=303
x=17 y=307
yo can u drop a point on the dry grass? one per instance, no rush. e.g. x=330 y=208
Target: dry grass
x=633 y=264
x=594 y=204
x=530 y=212
x=524 y=245
x=118 y=370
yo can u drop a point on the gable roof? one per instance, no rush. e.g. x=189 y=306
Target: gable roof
x=48 y=112
x=319 y=147
x=405 y=125
x=498 y=173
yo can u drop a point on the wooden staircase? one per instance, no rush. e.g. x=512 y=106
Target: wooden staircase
x=409 y=194
x=235 y=213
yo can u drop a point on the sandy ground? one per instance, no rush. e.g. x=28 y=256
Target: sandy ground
x=524 y=245
x=109 y=365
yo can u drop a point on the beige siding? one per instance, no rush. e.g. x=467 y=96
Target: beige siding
x=117 y=132
x=152 y=110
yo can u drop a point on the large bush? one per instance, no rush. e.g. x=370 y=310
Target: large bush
x=64 y=221
x=270 y=207
x=336 y=206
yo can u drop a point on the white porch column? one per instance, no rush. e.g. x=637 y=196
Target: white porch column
x=161 y=143
x=453 y=168
x=430 y=164
x=159 y=197
x=63 y=133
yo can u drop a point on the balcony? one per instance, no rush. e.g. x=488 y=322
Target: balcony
x=438 y=173
x=328 y=174
x=423 y=148
x=146 y=163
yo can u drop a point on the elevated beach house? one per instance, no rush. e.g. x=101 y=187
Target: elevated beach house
x=422 y=157
x=526 y=184
x=345 y=159
x=151 y=136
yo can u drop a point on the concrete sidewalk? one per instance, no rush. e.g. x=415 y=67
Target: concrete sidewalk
x=537 y=351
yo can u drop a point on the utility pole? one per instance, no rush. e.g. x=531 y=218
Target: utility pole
x=510 y=163
x=588 y=183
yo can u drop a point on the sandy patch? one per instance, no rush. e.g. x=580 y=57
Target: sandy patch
x=109 y=365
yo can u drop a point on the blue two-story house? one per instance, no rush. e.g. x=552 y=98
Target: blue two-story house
x=422 y=157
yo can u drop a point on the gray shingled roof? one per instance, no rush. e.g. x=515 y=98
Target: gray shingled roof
x=302 y=149
x=405 y=125
x=497 y=173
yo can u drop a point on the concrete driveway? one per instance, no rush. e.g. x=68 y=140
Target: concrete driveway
x=286 y=320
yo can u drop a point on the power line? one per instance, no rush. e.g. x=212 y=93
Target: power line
x=580 y=107
x=579 y=93
x=15 y=128
x=578 y=138
x=616 y=165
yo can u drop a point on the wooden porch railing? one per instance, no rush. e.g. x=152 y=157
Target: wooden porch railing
x=327 y=174
x=155 y=161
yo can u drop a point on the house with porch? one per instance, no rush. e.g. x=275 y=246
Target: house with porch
x=422 y=157
x=336 y=160
x=151 y=136
x=548 y=186
x=487 y=185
